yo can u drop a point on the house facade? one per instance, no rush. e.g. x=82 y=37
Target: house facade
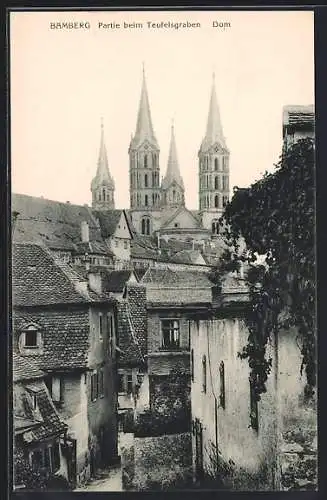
x=68 y=327
x=41 y=446
x=242 y=443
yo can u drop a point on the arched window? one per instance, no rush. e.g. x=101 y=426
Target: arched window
x=216 y=182
x=216 y=201
x=145 y=225
x=225 y=200
x=216 y=163
x=99 y=196
x=104 y=194
x=146 y=200
x=204 y=374
x=145 y=161
x=174 y=195
x=146 y=180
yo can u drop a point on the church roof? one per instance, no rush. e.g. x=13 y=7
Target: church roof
x=299 y=116
x=103 y=177
x=173 y=171
x=144 y=128
x=214 y=132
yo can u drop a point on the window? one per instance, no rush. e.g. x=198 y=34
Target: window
x=215 y=226
x=101 y=383
x=34 y=401
x=222 y=384
x=216 y=165
x=192 y=365
x=145 y=161
x=176 y=224
x=116 y=243
x=216 y=182
x=170 y=334
x=204 y=374
x=146 y=202
x=55 y=457
x=31 y=338
x=57 y=389
x=94 y=386
x=225 y=200
x=125 y=245
x=104 y=194
x=146 y=180
x=129 y=383
x=216 y=201
x=145 y=225
x=100 y=326
x=225 y=183
x=254 y=420
x=121 y=383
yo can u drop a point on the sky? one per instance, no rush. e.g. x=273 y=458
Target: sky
x=63 y=81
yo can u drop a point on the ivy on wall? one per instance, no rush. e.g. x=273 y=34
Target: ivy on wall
x=275 y=218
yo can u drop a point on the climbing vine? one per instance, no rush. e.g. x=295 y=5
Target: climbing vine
x=274 y=218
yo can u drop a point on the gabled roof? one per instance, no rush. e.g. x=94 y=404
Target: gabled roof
x=25 y=368
x=45 y=421
x=56 y=224
x=169 y=215
x=37 y=279
x=115 y=281
x=109 y=220
x=93 y=247
x=190 y=257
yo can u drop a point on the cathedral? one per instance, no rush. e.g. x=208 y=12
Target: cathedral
x=157 y=204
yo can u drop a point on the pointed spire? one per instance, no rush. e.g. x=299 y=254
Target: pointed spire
x=214 y=132
x=103 y=175
x=173 y=172
x=144 y=127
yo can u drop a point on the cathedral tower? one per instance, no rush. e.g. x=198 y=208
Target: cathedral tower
x=144 y=169
x=103 y=186
x=213 y=168
x=172 y=186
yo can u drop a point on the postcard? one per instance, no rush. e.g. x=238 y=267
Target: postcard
x=163 y=258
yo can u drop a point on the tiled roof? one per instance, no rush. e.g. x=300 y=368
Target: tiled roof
x=166 y=286
x=298 y=115
x=93 y=247
x=65 y=337
x=188 y=256
x=115 y=281
x=25 y=368
x=56 y=224
x=136 y=296
x=129 y=350
x=45 y=419
x=38 y=280
x=108 y=220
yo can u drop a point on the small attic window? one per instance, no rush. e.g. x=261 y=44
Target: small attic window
x=176 y=224
x=31 y=339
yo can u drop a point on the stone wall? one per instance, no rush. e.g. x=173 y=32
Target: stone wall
x=298 y=419
x=157 y=463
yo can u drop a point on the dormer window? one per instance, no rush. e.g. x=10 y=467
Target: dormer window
x=31 y=339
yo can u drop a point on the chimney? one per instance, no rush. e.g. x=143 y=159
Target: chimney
x=85 y=233
x=95 y=282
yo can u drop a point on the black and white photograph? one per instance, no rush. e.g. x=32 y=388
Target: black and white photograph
x=163 y=250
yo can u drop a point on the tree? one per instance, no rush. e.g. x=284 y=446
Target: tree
x=276 y=218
